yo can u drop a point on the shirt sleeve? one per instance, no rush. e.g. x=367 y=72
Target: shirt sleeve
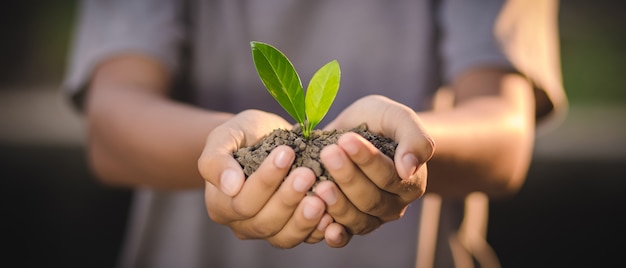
x=517 y=34
x=107 y=28
x=467 y=36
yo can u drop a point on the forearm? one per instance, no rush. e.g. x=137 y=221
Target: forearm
x=487 y=138
x=139 y=137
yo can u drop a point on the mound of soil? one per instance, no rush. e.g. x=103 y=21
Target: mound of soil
x=307 y=150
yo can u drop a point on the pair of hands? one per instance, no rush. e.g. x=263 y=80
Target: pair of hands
x=272 y=204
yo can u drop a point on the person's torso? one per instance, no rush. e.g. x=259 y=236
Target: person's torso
x=383 y=47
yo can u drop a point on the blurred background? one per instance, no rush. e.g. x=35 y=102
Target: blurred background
x=569 y=213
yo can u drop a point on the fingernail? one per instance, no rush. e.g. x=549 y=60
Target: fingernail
x=410 y=161
x=310 y=212
x=329 y=196
x=333 y=161
x=324 y=222
x=350 y=147
x=301 y=184
x=229 y=182
x=282 y=160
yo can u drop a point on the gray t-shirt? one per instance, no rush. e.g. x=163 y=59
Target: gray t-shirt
x=401 y=49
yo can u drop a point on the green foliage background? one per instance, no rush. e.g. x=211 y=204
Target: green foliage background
x=593 y=51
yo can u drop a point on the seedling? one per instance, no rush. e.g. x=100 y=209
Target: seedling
x=283 y=83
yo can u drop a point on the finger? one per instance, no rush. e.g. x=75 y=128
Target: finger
x=218 y=205
x=216 y=163
x=415 y=146
x=344 y=212
x=412 y=152
x=374 y=164
x=222 y=171
x=380 y=169
x=336 y=236
x=318 y=234
x=245 y=129
x=281 y=206
x=300 y=226
x=262 y=184
x=396 y=121
x=357 y=187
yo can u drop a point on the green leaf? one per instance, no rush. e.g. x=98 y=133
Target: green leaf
x=321 y=92
x=280 y=78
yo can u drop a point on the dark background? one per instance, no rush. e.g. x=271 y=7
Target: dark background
x=569 y=213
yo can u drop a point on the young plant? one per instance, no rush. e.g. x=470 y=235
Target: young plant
x=283 y=83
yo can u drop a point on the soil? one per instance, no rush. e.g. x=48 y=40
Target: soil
x=307 y=150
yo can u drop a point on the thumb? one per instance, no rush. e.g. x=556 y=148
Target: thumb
x=222 y=171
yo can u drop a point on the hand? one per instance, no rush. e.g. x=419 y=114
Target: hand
x=371 y=189
x=263 y=206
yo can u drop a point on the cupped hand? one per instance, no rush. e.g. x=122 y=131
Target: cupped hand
x=370 y=188
x=271 y=203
